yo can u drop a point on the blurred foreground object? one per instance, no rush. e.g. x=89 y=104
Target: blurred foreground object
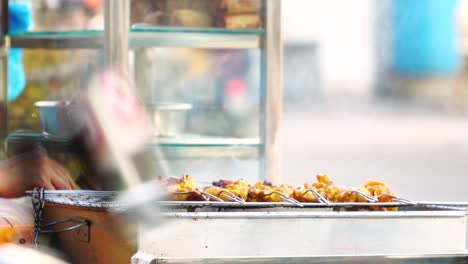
x=462 y=22
x=16 y=222
x=425 y=38
x=116 y=126
x=11 y=254
x=116 y=129
x=30 y=170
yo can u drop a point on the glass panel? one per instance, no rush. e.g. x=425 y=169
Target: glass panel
x=49 y=75
x=65 y=15
x=206 y=169
x=223 y=87
x=79 y=24
x=220 y=132
x=79 y=15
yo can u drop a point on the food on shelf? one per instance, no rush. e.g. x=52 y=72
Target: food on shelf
x=241 y=21
x=239 y=14
x=199 y=5
x=240 y=6
x=146 y=11
x=190 y=18
x=231 y=14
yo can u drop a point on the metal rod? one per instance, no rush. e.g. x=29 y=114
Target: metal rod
x=272 y=61
x=361 y=259
x=143 y=69
x=4 y=50
x=368 y=198
x=80 y=222
x=116 y=25
x=4 y=18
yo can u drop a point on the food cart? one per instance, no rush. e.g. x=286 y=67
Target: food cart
x=227 y=229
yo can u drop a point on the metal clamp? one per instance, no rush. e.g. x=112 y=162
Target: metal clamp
x=38 y=207
x=397 y=199
x=82 y=228
x=228 y=195
x=286 y=198
x=367 y=197
x=319 y=197
x=203 y=194
x=80 y=222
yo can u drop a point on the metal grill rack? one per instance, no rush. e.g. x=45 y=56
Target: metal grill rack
x=105 y=199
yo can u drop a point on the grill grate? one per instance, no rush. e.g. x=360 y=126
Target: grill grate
x=105 y=199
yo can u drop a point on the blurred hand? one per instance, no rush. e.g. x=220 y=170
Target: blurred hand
x=30 y=170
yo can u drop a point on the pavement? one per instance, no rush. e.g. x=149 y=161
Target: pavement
x=422 y=155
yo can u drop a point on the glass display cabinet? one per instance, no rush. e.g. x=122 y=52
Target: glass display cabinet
x=209 y=72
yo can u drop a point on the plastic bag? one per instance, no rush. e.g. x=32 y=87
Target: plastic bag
x=20 y=19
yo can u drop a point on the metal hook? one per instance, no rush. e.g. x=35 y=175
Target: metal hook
x=210 y=196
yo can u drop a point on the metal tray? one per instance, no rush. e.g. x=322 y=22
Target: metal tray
x=293 y=234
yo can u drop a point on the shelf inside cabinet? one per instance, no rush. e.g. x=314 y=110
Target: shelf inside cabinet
x=38 y=137
x=205 y=141
x=196 y=146
x=86 y=39
x=143 y=36
x=187 y=146
x=179 y=141
x=209 y=38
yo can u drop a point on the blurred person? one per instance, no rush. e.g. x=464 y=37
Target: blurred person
x=74 y=15
x=459 y=94
x=96 y=17
x=34 y=169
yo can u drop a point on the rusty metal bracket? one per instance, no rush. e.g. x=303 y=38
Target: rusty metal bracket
x=83 y=233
